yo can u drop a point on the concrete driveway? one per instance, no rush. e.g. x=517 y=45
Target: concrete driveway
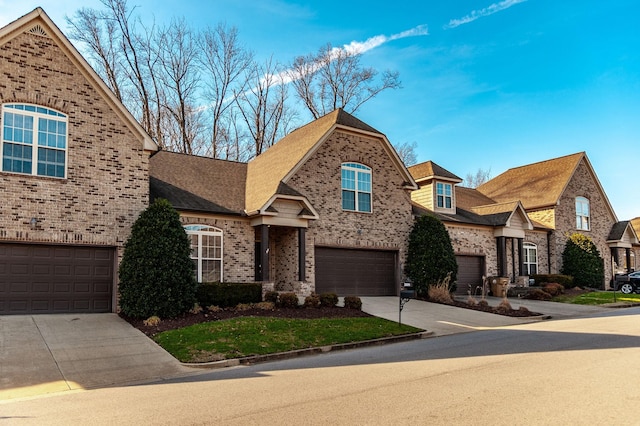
x=42 y=354
x=51 y=353
x=443 y=320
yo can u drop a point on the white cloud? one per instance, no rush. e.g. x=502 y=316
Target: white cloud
x=358 y=48
x=475 y=14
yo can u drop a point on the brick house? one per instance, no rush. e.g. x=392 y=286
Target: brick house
x=74 y=174
x=517 y=223
x=325 y=209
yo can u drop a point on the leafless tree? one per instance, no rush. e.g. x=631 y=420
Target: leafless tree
x=225 y=71
x=178 y=59
x=475 y=180
x=99 y=34
x=263 y=106
x=334 y=78
x=407 y=152
x=123 y=57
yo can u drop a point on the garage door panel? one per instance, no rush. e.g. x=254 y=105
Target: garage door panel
x=355 y=272
x=470 y=271
x=55 y=279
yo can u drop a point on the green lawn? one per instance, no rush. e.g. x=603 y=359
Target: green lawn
x=245 y=336
x=598 y=298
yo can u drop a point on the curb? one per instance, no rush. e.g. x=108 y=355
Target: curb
x=254 y=359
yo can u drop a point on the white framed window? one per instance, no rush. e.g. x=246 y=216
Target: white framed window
x=356 y=187
x=206 y=252
x=583 y=219
x=444 y=195
x=34 y=140
x=530 y=256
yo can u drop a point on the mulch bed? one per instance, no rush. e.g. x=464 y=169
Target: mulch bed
x=188 y=319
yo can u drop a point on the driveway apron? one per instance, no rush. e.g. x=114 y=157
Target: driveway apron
x=53 y=353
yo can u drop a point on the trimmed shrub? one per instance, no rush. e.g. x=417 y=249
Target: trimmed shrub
x=554 y=289
x=328 y=300
x=565 y=280
x=352 y=302
x=581 y=259
x=228 y=295
x=312 y=301
x=156 y=272
x=537 y=294
x=288 y=300
x=271 y=296
x=430 y=255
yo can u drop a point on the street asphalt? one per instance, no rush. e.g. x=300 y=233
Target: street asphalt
x=42 y=354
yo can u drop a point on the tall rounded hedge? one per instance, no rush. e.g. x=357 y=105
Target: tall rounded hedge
x=430 y=256
x=581 y=259
x=156 y=272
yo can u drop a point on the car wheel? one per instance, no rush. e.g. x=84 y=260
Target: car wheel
x=626 y=288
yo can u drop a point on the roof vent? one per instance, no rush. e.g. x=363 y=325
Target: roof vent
x=38 y=30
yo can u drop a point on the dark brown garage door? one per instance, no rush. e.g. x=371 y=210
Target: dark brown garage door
x=355 y=272
x=38 y=279
x=470 y=270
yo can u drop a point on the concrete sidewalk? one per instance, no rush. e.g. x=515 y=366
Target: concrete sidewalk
x=51 y=353
x=443 y=320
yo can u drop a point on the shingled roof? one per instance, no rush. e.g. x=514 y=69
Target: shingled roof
x=269 y=170
x=198 y=183
x=429 y=170
x=535 y=185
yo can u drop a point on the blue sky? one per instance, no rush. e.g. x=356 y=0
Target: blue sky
x=486 y=84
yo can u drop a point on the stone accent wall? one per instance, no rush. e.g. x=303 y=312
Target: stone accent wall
x=107 y=170
x=238 y=239
x=583 y=184
x=319 y=179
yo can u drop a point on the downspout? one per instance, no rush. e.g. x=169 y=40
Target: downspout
x=549 y=252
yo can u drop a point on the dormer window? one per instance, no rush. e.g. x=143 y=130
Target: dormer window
x=444 y=195
x=583 y=221
x=356 y=187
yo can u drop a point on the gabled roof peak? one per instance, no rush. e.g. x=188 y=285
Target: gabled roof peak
x=430 y=170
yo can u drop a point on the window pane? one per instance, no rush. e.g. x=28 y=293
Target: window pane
x=348 y=179
x=448 y=202
x=364 y=181
x=364 y=202
x=348 y=200
x=210 y=270
x=440 y=201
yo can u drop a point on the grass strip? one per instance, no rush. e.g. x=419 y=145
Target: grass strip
x=240 y=337
x=598 y=298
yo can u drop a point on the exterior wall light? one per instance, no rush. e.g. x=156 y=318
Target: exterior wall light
x=33 y=222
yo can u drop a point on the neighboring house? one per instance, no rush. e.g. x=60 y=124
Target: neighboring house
x=325 y=209
x=73 y=178
x=517 y=223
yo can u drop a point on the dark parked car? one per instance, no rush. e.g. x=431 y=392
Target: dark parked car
x=628 y=284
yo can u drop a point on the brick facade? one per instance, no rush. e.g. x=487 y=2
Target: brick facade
x=319 y=179
x=582 y=184
x=107 y=169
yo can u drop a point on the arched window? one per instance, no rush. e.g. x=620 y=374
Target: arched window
x=530 y=258
x=34 y=140
x=356 y=187
x=206 y=252
x=583 y=221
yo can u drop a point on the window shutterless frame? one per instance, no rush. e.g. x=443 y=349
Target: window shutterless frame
x=356 y=187
x=34 y=140
x=206 y=252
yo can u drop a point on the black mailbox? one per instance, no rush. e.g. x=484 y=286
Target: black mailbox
x=407 y=293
